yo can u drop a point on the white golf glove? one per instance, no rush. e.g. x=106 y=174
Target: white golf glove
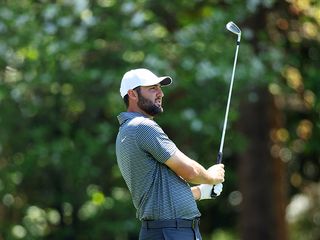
x=205 y=190
x=218 y=189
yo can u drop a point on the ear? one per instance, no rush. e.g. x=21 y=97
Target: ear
x=132 y=94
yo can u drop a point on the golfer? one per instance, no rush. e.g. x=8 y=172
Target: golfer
x=156 y=172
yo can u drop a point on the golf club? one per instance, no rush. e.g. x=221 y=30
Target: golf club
x=232 y=27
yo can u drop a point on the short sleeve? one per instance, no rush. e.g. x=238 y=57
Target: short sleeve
x=152 y=139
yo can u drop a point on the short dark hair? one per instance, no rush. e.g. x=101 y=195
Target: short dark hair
x=126 y=97
x=126 y=100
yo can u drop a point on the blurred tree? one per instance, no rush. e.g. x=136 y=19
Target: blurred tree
x=262 y=176
x=286 y=29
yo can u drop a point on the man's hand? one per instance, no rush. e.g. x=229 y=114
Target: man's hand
x=217 y=173
x=205 y=190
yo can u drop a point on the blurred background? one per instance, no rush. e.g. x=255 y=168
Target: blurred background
x=61 y=63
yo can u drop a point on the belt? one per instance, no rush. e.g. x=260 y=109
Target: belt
x=174 y=223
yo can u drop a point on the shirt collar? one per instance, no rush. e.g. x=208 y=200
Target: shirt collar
x=124 y=116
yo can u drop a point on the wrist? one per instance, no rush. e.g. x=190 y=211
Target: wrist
x=196 y=192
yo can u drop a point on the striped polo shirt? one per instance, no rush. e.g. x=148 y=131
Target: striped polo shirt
x=157 y=192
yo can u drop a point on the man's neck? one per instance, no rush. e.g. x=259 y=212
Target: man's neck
x=138 y=110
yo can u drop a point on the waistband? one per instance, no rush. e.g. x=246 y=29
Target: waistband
x=174 y=223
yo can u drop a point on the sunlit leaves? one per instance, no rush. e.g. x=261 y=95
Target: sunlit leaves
x=294 y=78
x=106 y=3
x=36 y=221
x=304 y=129
x=133 y=57
x=12 y=75
x=19 y=232
x=303 y=210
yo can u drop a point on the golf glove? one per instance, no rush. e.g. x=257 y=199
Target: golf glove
x=205 y=190
x=217 y=189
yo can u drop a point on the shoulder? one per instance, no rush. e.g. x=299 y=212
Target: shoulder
x=147 y=125
x=146 y=129
x=143 y=125
x=137 y=121
x=141 y=122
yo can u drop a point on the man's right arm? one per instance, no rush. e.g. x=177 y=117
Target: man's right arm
x=193 y=172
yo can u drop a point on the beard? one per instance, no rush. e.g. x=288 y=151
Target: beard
x=148 y=106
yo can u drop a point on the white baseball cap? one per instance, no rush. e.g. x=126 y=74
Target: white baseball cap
x=141 y=77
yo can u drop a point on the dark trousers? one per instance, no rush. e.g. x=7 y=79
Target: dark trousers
x=176 y=229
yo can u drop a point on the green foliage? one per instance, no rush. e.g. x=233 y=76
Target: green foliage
x=60 y=68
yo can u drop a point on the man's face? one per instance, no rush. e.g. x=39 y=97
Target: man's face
x=150 y=99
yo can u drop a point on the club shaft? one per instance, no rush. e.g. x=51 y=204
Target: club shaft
x=219 y=159
x=218 y=187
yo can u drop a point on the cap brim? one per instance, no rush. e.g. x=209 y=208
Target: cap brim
x=165 y=80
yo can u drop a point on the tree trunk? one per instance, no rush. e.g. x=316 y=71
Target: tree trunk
x=262 y=182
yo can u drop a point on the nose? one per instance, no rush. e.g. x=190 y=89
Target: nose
x=160 y=92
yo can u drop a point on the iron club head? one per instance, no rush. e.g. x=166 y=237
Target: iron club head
x=232 y=27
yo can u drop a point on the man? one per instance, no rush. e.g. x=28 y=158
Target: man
x=156 y=172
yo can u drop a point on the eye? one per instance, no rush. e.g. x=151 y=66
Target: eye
x=154 y=88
